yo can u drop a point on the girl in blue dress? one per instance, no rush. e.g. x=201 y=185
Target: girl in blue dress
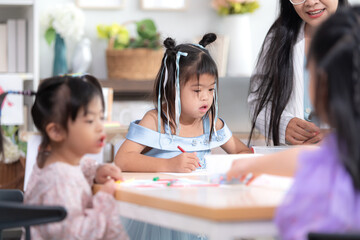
x=186 y=115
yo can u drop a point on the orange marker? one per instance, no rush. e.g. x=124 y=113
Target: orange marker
x=182 y=150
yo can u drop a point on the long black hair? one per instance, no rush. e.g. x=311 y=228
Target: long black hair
x=335 y=52
x=197 y=62
x=59 y=99
x=275 y=78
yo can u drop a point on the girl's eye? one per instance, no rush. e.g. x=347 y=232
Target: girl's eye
x=211 y=89
x=102 y=118
x=197 y=91
x=89 y=121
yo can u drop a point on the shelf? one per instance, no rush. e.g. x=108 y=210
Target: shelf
x=129 y=86
x=24 y=76
x=16 y=2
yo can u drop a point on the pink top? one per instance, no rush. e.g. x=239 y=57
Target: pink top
x=88 y=216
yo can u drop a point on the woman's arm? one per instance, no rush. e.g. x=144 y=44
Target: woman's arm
x=292 y=130
x=263 y=119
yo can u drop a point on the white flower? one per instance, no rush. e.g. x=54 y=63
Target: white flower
x=12 y=152
x=67 y=20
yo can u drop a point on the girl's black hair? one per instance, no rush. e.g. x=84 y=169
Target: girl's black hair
x=197 y=62
x=335 y=51
x=275 y=78
x=58 y=100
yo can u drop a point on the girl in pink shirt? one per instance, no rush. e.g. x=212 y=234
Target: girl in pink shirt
x=69 y=113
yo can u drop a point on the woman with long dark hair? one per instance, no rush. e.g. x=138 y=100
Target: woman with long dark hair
x=278 y=99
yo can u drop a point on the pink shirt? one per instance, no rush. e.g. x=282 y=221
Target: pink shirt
x=88 y=216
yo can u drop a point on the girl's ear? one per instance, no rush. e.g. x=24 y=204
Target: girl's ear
x=55 y=132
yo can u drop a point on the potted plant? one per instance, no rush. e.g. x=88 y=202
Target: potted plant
x=234 y=23
x=229 y=7
x=133 y=58
x=62 y=22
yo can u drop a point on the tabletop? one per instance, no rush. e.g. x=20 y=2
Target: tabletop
x=222 y=203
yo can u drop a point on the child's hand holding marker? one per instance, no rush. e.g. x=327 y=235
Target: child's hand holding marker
x=108 y=187
x=239 y=168
x=244 y=179
x=107 y=172
x=184 y=162
x=183 y=151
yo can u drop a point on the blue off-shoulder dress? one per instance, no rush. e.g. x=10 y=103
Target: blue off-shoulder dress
x=164 y=145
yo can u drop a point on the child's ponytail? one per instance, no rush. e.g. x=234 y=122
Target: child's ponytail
x=207 y=39
x=169 y=44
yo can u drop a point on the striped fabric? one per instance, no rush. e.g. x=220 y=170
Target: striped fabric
x=295 y=106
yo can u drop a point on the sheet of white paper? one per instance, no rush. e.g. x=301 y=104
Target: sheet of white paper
x=32 y=151
x=270 y=149
x=272 y=181
x=221 y=163
x=12 y=108
x=197 y=172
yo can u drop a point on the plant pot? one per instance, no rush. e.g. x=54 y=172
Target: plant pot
x=240 y=60
x=133 y=64
x=12 y=175
x=60 y=64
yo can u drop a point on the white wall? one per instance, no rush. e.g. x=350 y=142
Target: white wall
x=198 y=19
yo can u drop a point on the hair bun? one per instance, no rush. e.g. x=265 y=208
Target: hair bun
x=207 y=39
x=169 y=43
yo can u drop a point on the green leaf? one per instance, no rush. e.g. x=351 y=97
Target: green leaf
x=146 y=28
x=50 y=35
x=237 y=7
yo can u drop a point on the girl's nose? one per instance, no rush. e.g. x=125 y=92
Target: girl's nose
x=100 y=125
x=204 y=96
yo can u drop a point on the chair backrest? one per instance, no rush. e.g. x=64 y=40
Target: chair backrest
x=333 y=236
x=20 y=215
x=16 y=214
x=12 y=195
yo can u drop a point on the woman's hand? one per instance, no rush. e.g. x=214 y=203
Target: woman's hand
x=184 y=162
x=107 y=172
x=300 y=132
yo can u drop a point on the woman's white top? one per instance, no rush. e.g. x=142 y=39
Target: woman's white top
x=295 y=106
